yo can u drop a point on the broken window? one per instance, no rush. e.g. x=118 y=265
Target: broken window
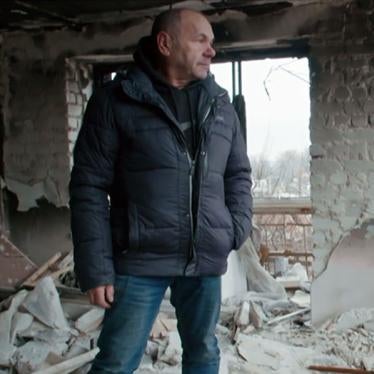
x=275 y=93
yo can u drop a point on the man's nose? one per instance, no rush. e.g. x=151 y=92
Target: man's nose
x=210 y=52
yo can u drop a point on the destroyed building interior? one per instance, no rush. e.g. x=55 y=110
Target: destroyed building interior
x=284 y=310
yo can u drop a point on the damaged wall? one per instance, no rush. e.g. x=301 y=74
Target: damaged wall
x=342 y=131
x=47 y=94
x=35 y=148
x=342 y=168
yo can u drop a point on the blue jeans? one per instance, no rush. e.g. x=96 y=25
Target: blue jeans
x=137 y=300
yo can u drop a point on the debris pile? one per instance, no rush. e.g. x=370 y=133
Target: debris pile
x=260 y=332
x=38 y=336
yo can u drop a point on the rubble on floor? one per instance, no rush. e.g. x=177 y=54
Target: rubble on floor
x=259 y=333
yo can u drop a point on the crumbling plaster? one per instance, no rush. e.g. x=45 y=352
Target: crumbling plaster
x=47 y=97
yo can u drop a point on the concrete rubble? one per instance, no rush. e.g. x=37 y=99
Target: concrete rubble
x=259 y=333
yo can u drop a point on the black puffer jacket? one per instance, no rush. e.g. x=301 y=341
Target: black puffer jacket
x=167 y=215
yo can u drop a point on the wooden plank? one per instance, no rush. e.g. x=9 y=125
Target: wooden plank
x=282 y=206
x=336 y=369
x=288 y=316
x=30 y=281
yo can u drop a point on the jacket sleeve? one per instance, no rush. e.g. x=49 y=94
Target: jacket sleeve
x=238 y=185
x=91 y=178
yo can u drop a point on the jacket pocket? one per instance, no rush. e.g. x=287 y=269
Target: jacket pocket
x=133 y=226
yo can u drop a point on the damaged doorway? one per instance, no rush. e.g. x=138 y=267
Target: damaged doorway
x=277 y=111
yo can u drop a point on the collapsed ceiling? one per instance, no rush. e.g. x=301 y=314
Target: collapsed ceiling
x=53 y=14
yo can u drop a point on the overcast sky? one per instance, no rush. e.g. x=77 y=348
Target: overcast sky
x=277 y=102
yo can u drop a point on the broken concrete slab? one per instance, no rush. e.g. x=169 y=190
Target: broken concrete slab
x=44 y=304
x=33 y=330
x=269 y=356
x=54 y=336
x=33 y=355
x=256 y=315
x=90 y=321
x=344 y=284
x=258 y=279
x=6 y=318
x=21 y=322
x=241 y=318
x=6 y=352
x=301 y=299
x=29 y=357
x=354 y=318
x=74 y=310
x=71 y=364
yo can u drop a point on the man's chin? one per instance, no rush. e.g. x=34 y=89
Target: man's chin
x=202 y=74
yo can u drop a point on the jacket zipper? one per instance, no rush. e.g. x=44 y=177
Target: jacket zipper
x=192 y=178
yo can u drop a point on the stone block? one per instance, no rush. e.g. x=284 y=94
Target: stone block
x=342 y=120
x=369 y=106
x=353 y=108
x=360 y=121
x=371 y=119
x=358 y=151
x=75 y=110
x=70 y=98
x=339 y=178
x=318 y=180
x=326 y=167
x=44 y=304
x=73 y=123
x=364 y=166
x=342 y=93
x=361 y=135
x=73 y=87
x=316 y=150
x=338 y=152
x=79 y=99
x=320 y=135
x=72 y=136
x=359 y=93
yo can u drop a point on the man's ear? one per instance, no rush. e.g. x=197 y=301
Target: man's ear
x=164 y=43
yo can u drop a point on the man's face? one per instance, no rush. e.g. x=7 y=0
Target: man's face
x=192 y=49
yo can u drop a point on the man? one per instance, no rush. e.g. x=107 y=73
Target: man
x=164 y=143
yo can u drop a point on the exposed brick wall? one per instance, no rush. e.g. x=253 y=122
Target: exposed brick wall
x=342 y=133
x=78 y=90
